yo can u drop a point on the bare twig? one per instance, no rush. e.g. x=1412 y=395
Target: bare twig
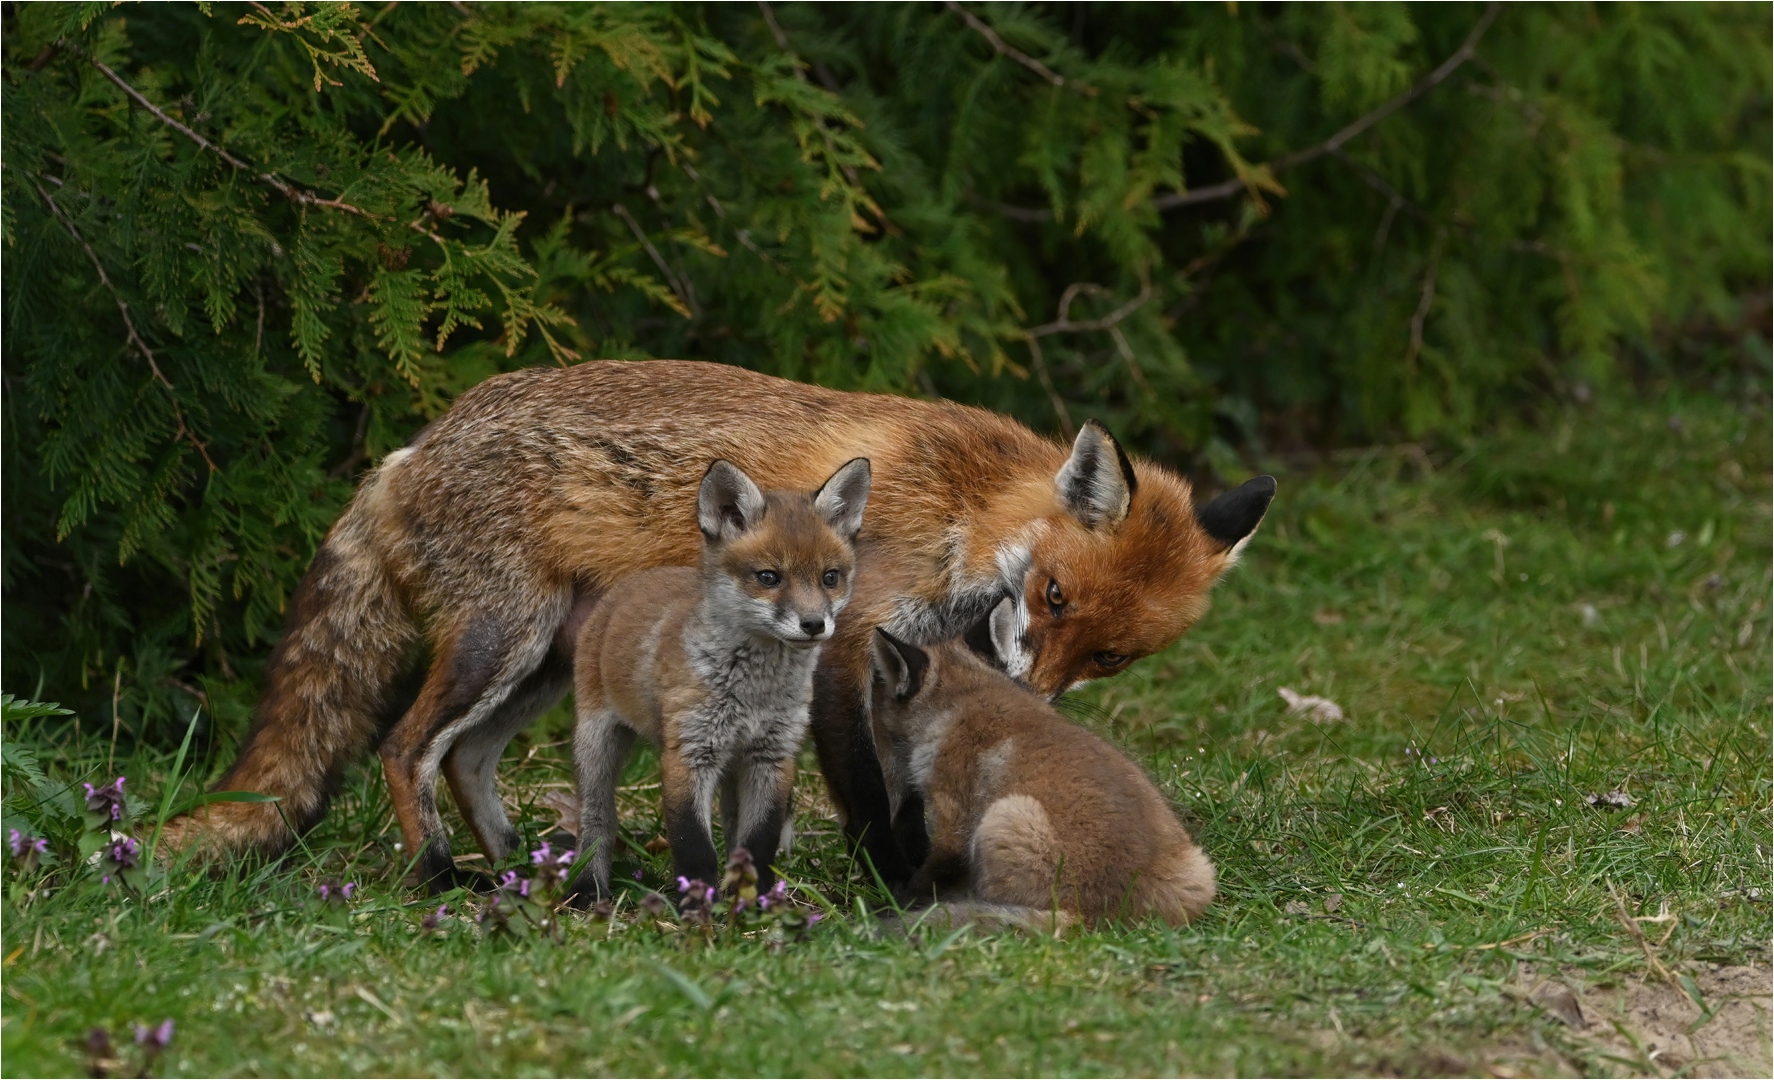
x=1332 y=145
x=1064 y=325
x=1426 y=300
x=1004 y=48
x=184 y=431
x=640 y=234
x=1045 y=378
x=1632 y=927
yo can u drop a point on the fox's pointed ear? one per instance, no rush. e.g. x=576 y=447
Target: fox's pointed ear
x=842 y=499
x=729 y=503
x=900 y=664
x=1232 y=517
x=1097 y=482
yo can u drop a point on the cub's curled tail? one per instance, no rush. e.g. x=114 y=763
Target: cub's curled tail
x=326 y=691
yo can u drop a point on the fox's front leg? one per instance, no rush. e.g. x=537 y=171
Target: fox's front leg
x=766 y=785
x=601 y=745
x=688 y=780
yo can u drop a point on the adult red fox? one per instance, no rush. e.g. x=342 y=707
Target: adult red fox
x=488 y=539
x=714 y=666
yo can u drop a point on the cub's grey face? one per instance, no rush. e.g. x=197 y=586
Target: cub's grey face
x=781 y=565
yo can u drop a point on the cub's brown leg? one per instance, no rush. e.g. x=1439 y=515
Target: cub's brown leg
x=765 y=788
x=689 y=788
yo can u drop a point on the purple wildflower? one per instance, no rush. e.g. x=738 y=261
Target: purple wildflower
x=431 y=920
x=637 y=875
x=508 y=879
x=683 y=883
x=124 y=852
x=26 y=847
x=654 y=904
x=155 y=1038
x=523 y=887
x=541 y=854
x=814 y=917
x=106 y=801
x=347 y=889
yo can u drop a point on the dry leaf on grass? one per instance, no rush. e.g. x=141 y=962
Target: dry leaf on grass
x=1613 y=800
x=1316 y=708
x=565 y=806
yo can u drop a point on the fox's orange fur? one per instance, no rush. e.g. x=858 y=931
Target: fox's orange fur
x=490 y=536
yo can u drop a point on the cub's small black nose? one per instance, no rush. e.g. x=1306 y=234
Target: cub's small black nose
x=813 y=627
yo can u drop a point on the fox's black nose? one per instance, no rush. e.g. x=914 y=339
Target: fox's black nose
x=813 y=627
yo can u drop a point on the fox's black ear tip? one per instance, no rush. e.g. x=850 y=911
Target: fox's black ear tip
x=1234 y=515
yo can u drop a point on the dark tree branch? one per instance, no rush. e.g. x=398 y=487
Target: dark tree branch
x=184 y=431
x=270 y=179
x=1426 y=300
x=1331 y=147
x=640 y=234
x=1334 y=144
x=1004 y=48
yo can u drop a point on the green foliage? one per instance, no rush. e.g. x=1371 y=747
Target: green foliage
x=252 y=248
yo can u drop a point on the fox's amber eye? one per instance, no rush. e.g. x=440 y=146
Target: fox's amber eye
x=1110 y=659
x=831 y=579
x=1055 y=599
x=769 y=579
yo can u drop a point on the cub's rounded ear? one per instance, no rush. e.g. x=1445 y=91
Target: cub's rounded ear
x=842 y=499
x=1096 y=484
x=728 y=503
x=901 y=665
x=1232 y=517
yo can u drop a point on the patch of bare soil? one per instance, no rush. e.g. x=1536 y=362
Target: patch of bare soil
x=1651 y=1027
x=1660 y=1025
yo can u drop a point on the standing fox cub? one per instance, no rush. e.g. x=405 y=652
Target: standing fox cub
x=480 y=548
x=715 y=667
x=1029 y=811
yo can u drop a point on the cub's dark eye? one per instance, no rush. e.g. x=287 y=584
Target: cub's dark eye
x=831 y=579
x=1110 y=659
x=1056 y=600
x=769 y=579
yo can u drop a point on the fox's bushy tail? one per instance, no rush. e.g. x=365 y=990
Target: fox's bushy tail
x=326 y=690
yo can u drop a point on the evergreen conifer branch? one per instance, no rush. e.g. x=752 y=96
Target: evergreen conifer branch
x=1333 y=145
x=1004 y=48
x=182 y=429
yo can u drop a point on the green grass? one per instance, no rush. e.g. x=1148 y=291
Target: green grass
x=1510 y=628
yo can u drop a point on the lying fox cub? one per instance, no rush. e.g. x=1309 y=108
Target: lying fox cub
x=715 y=666
x=1028 y=810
